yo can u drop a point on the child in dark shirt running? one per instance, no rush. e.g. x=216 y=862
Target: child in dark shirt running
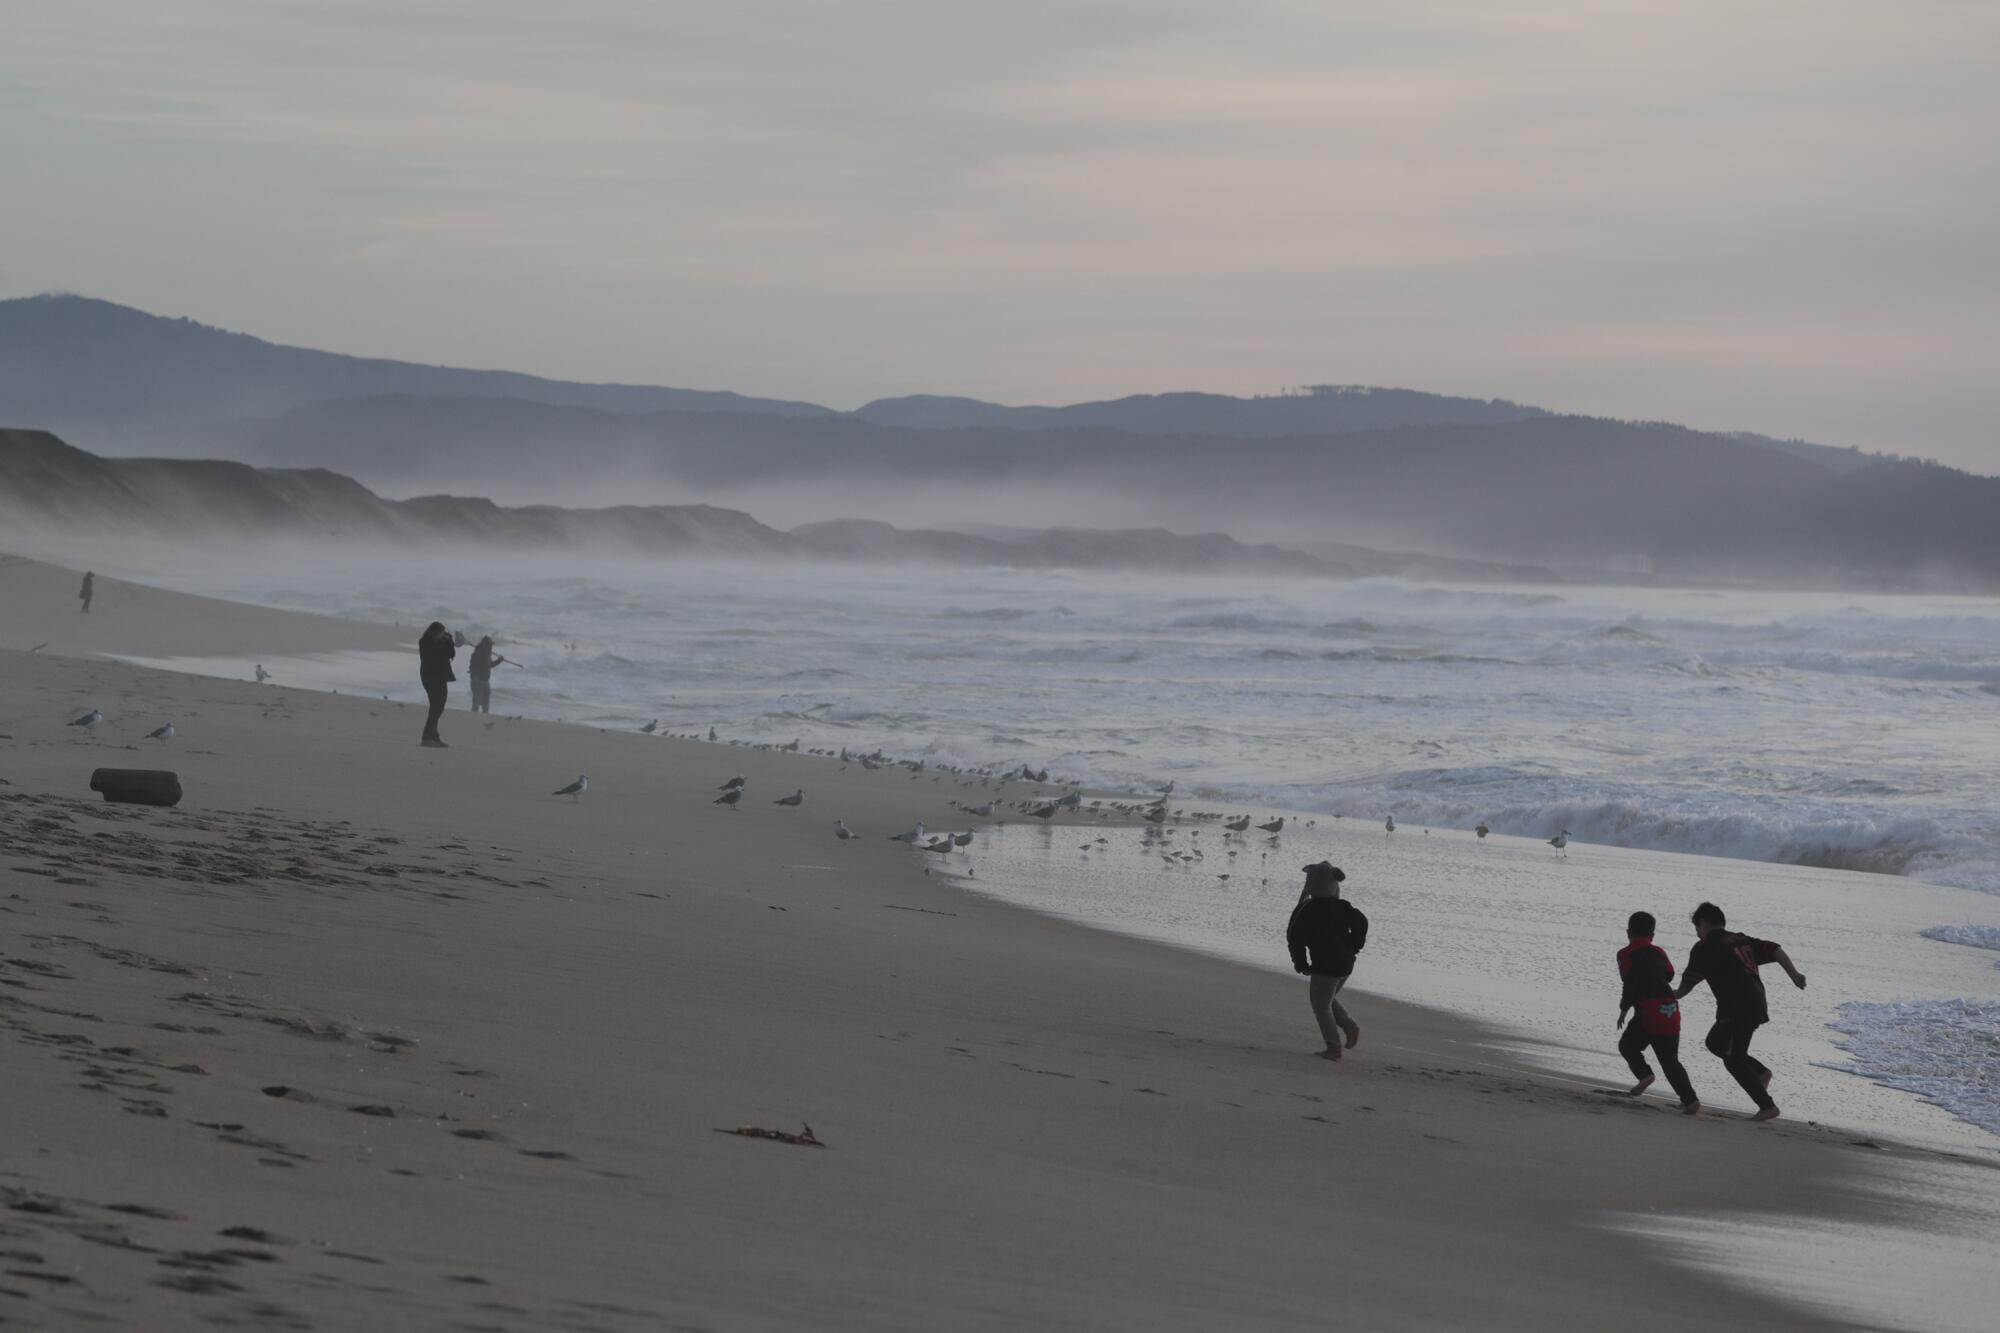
x=1323 y=935
x=1728 y=962
x=1649 y=990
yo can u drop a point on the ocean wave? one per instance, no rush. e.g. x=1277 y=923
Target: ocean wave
x=1694 y=664
x=1768 y=831
x=1944 y=1051
x=1628 y=634
x=1973 y=937
x=1241 y=621
x=1000 y=613
x=1883 y=664
x=1414 y=656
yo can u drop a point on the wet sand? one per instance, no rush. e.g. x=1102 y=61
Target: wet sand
x=363 y=1032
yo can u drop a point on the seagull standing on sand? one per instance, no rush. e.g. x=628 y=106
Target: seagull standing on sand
x=262 y=675
x=730 y=797
x=912 y=836
x=841 y=831
x=1238 y=825
x=1559 y=842
x=796 y=798
x=574 y=790
x=982 y=811
x=1482 y=830
x=650 y=727
x=734 y=784
x=1275 y=826
x=165 y=733
x=1389 y=824
x=88 y=721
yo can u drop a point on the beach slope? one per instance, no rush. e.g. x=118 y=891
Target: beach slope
x=363 y=1033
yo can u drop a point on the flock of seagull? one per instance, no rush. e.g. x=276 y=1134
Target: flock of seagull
x=1154 y=812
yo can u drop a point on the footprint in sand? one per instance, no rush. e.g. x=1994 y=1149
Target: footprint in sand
x=256 y=1234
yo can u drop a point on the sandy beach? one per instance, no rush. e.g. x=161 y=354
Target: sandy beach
x=363 y=1033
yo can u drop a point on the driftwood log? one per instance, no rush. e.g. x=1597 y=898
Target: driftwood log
x=138 y=786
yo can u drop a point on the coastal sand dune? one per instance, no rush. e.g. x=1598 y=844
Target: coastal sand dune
x=363 y=1033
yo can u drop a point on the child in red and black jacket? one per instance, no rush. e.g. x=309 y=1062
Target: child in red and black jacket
x=1649 y=988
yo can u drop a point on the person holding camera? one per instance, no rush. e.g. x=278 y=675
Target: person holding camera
x=434 y=653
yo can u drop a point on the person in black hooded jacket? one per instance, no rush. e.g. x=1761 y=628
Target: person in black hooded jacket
x=434 y=653
x=1324 y=934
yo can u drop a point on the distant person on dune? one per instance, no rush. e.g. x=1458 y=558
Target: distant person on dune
x=1324 y=934
x=480 y=673
x=89 y=587
x=434 y=654
x=1728 y=962
x=1648 y=975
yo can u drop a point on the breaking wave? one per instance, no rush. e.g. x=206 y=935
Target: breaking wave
x=1945 y=1051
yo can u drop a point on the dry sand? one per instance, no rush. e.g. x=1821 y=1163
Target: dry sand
x=367 y=1035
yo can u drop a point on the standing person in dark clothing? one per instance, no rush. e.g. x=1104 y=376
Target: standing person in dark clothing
x=1324 y=934
x=1728 y=962
x=434 y=654
x=480 y=672
x=89 y=588
x=1649 y=976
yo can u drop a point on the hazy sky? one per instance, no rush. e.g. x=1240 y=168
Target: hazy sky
x=1767 y=214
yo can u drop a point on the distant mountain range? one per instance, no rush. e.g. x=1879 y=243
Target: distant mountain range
x=74 y=364
x=45 y=483
x=1320 y=471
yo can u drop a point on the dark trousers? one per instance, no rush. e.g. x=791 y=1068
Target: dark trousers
x=482 y=694
x=437 y=690
x=1729 y=1042
x=1633 y=1047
